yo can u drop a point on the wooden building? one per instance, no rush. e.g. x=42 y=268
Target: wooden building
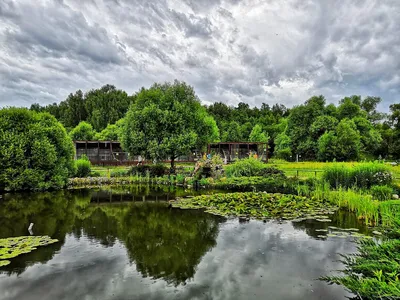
x=103 y=152
x=237 y=150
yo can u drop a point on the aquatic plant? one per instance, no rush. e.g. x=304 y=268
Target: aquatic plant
x=361 y=175
x=259 y=205
x=245 y=168
x=382 y=192
x=374 y=272
x=15 y=246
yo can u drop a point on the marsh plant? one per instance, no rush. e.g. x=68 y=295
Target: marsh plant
x=361 y=175
x=260 y=205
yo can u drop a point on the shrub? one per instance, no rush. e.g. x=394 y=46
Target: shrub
x=156 y=170
x=35 y=151
x=252 y=167
x=382 y=192
x=83 y=167
x=271 y=171
x=361 y=176
x=245 y=168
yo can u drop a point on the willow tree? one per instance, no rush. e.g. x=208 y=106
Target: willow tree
x=167 y=121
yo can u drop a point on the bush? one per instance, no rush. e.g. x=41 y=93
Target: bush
x=245 y=168
x=382 y=192
x=83 y=167
x=35 y=151
x=361 y=176
x=249 y=167
x=156 y=170
x=271 y=171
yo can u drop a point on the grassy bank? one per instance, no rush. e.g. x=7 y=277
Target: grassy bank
x=315 y=169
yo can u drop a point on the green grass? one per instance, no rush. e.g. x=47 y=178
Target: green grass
x=311 y=169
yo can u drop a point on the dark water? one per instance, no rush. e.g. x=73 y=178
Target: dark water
x=126 y=244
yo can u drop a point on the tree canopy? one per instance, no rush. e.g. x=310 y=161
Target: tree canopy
x=36 y=151
x=166 y=121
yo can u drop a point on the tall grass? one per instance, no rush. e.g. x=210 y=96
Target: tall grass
x=359 y=176
x=245 y=167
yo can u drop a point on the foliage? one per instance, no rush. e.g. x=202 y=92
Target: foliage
x=282 y=149
x=258 y=135
x=361 y=175
x=111 y=133
x=215 y=165
x=99 y=107
x=372 y=273
x=382 y=192
x=245 y=167
x=82 y=132
x=36 y=152
x=259 y=205
x=166 y=121
x=15 y=246
x=83 y=167
x=155 y=170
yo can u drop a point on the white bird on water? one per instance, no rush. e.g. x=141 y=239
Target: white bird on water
x=30 y=229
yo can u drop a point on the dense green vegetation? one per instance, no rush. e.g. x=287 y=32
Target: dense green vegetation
x=167 y=121
x=15 y=246
x=36 y=152
x=261 y=205
x=315 y=130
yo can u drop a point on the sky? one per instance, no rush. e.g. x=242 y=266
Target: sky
x=252 y=51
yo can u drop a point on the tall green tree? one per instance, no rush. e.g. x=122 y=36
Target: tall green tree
x=258 y=135
x=165 y=122
x=106 y=106
x=233 y=133
x=83 y=132
x=36 y=151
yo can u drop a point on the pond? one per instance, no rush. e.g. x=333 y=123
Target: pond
x=125 y=243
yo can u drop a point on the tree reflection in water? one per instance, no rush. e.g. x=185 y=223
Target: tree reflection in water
x=161 y=242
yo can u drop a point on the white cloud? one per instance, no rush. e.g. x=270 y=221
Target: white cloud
x=252 y=51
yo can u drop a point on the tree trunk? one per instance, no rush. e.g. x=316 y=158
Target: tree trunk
x=172 y=165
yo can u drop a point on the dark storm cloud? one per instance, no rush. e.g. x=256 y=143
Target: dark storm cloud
x=231 y=51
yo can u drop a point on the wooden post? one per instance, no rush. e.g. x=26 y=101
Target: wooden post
x=98 y=152
x=111 y=150
x=86 y=148
x=297 y=173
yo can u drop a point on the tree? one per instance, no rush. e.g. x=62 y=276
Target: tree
x=299 y=125
x=233 y=133
x=323 y=124
x=106 y=106
x=327 y=146
x=257 y=135
x=349 y=108
x=165 y=121
x=83 y=132
x=36 y=152
x=111 y=133
x=282 y=146
x=344 y=144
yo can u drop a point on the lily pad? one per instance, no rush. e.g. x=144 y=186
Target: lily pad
x=15 y=246
x=4 y=263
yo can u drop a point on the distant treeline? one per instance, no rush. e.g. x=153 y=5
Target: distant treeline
x=315 y=130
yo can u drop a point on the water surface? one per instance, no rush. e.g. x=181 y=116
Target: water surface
x=127 y=244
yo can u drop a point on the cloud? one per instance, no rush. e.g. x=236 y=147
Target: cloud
x=249 y=50
x=250 y=261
